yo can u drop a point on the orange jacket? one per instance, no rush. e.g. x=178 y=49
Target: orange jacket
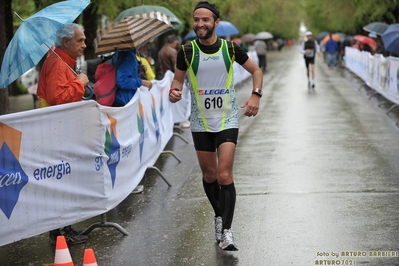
x=57 y=83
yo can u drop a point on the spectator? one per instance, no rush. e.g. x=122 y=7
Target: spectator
x=145 y=70
x=127 y=77
x=261 y=49
x=380 y=49
x=167 y=56
x=332 y=49
x=167 y=61
x=58 y=84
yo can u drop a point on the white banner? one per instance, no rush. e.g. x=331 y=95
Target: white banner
x=376 y=72
x=370 y=70
x=64 y=164
x=383 y=74
x=393 y=73
x=380 y=75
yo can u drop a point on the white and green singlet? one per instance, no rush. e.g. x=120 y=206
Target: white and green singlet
x=213 y=99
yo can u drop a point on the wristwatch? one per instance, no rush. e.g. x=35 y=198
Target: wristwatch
x=258 y=92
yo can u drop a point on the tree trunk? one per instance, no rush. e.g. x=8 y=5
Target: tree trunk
x=5 y=8
x=90 y=22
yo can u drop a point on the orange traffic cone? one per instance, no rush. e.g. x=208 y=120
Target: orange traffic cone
x=88 y=258
x=62 y=255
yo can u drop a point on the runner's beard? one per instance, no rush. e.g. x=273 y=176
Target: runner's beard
x=207 y=35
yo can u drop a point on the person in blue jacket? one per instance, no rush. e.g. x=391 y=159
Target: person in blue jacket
x=127 y=77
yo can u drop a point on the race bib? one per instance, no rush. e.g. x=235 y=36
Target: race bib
x=214 y=103
x=310 y=53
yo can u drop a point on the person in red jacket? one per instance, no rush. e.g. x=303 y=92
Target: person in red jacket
x=58 y=84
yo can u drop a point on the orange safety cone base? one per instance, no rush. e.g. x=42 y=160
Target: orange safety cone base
x=88 y=258
x=62 y=255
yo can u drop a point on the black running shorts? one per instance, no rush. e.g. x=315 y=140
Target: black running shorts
x=309 y=60
x=210 y=141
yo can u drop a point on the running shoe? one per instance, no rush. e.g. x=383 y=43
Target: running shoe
x=227 y=242
x=185 y=124
x=218 y=228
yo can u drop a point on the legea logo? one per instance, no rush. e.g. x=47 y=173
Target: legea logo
x=214 y=92
x=112 y=148
x=12 y=176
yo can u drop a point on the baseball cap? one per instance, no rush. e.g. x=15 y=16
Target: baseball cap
x=308 y=33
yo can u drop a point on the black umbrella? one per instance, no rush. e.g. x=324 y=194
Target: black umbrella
x=390 y=38
x=378 y=27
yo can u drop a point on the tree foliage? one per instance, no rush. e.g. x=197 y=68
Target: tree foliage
x=349 y=16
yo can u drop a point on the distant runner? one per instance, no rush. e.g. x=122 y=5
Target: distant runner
x=309 y=50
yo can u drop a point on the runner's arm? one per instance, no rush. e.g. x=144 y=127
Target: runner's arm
x=251 y=105
x=256 y=72
x=302 y=49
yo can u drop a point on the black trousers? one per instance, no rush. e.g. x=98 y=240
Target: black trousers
x=262 y=62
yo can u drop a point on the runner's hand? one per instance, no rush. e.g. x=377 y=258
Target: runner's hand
x=174 y=95
x=251 y=105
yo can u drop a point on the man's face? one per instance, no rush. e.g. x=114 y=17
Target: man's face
x=76 y=45
x=204 y=23
x=309 y=37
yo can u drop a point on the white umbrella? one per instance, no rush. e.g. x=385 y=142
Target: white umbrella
x=263 y=35
x=247 y=38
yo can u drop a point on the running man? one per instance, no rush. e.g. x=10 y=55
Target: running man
x=214 y=111
x=309 y=50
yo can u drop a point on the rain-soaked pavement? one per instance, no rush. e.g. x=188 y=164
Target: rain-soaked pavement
x=317 y=180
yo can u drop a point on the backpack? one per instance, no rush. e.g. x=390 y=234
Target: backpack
x=105 y=85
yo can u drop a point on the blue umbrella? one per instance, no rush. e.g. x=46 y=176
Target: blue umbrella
x=35 y=36
x=390 y=38
x=225 y=29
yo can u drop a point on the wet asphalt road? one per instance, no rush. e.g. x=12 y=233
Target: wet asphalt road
x=316 y=175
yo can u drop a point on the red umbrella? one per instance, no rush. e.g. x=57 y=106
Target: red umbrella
x=366 y=40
